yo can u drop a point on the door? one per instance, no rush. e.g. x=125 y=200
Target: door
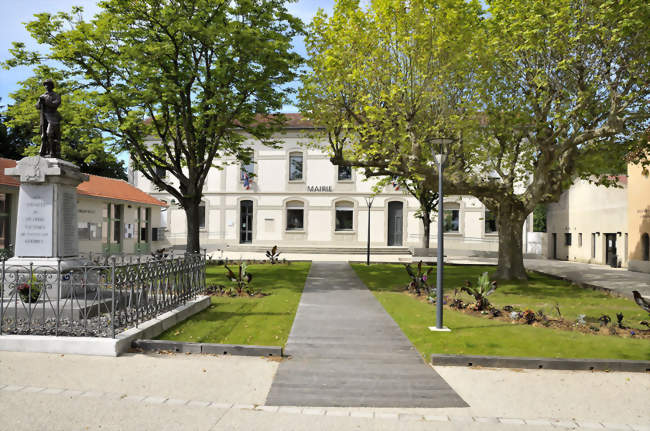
x=245 y=222
x=554 y=246
x=610 y=251
x=395 y=223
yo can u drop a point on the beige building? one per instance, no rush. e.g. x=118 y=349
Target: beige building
x=638 y=215
x=590 y=224
x=113 y=216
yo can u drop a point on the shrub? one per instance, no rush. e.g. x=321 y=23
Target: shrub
x=418 y=283
x=483 y=289
x=242 y=279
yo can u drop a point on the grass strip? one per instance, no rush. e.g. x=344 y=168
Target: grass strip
x=481 y=336
x=264 y=321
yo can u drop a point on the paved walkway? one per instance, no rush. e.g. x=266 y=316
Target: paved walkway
x=347 y=351
x=620 y=280
x=223 y=393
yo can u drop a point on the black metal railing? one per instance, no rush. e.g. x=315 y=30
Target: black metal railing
x=101 y=298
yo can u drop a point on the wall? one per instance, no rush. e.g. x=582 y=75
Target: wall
x=591 y=211
x=638 y=216
x=271 y=189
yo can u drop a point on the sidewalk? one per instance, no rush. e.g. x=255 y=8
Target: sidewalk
x=192 y=392
x=346 y=351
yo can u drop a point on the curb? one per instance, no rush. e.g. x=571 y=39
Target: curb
x=541 y=363
x=207 y=348
x=101 y=346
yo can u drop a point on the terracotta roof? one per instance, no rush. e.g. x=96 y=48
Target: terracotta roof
x=96 y=186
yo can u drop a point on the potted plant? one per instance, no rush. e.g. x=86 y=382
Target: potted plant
x=28 y=295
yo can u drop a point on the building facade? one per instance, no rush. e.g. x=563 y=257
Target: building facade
x=113 y=216
x=293 y=196
x=638 y=214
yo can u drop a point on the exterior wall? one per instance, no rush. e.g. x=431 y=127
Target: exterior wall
x=638 y=216
x=593 y=212
x=91 y=210
x=319 y=191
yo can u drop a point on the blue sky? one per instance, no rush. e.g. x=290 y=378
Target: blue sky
x=16 y=12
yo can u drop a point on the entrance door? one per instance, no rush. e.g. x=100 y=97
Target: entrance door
x=245 y=222
x=554 y=246
x=395 y=223
x=610 y=251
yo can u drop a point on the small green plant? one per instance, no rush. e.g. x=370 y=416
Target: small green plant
x=242 y=279
x=273 y=255
x=418 y=283
x=483 y=289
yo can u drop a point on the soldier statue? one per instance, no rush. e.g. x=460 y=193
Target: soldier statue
x=48 y=103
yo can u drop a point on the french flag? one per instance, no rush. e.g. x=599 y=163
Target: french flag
x=247 y=181
x=395 y=184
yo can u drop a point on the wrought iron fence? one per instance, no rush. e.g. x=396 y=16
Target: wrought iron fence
x=104 y=296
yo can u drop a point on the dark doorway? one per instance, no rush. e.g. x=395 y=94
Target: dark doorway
x=395 y=223
x=554 y=246
x=245 y=222
x=610 y=251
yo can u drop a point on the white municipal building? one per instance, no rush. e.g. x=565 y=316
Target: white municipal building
x=297 y=199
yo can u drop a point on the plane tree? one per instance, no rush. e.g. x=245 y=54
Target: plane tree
x=178 y=84
x=534 y=94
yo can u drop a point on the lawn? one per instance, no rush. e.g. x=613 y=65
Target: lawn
x=482 y=336
x=262 y=321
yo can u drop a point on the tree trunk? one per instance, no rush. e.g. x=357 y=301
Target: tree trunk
x=426 y=221
x=511 y=258
x=192 y=216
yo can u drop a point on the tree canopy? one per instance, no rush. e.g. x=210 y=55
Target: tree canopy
x=82 y=142
x=534 y=94
x=195 y=76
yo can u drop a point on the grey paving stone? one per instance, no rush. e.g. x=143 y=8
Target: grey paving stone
x=487 y=420
x=410 y=417
x=436 y=418
x=348 y=352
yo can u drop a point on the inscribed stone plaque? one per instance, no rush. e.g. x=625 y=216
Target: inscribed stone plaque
x=34 y=237
x=68 y=223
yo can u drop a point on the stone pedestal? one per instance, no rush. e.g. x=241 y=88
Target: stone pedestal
x=46 y=230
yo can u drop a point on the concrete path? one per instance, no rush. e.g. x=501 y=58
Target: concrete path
x=223 y=393
x=347 y=351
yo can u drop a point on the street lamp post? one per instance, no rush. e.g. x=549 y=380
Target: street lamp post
x=440 y=161
x=369 y=201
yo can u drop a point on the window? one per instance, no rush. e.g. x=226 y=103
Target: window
x=451 y=220
x=344 y=216
x=580 y=240
x=295 y=215
x=645 y=246
x=593 y=245
x=490 y=222
x=202 y=215
x=567 y=239
x=5 y=219
x=144 y=221
x=295 y=167
x=247 y=169
x=345 y=173
x=83 y=230
x=111 y=230
x=161 y=172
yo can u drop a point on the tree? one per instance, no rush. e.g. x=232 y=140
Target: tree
x=563 y=90
x=204 y=74
x=82 y=142
x=535 y=94
x=13 y=140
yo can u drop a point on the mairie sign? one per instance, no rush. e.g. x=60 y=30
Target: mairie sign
x=319 y=188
